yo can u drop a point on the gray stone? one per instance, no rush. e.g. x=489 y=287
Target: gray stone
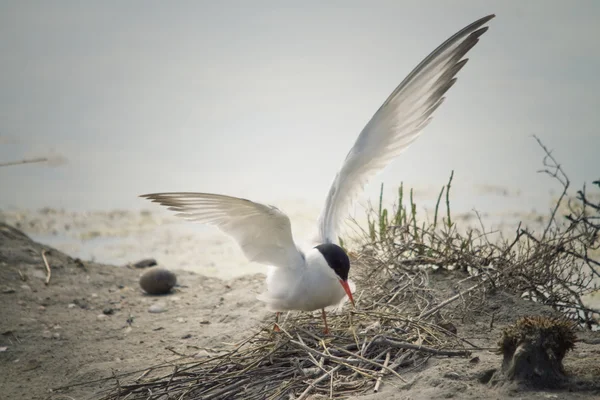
x=158 y=281
x=157 y=308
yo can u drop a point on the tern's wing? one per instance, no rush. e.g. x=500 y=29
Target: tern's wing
x=263 y=232
x=396 y=124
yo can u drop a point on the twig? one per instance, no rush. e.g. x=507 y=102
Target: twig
x=312 y=385
x=385 y=364
x=25 y=161
x=227 y=389
x=48 y=270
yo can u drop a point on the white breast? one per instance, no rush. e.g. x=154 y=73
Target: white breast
x=311 y=287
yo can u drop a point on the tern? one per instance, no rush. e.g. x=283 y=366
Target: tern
x=316 y=277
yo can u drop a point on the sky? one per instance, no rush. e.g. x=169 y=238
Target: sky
x=264 y=99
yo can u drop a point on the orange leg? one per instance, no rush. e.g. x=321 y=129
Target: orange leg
x=276 y=326
x=325 y=321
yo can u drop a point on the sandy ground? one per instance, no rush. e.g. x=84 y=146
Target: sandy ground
x=93 y=320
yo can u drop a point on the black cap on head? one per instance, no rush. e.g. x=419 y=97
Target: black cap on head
x=337 y=259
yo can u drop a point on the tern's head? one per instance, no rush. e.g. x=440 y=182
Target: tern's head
x=338 y=261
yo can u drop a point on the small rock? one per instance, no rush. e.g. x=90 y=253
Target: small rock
x=72 y=305
x=3 y=349
x=94 y=294
x=56 y=335
x=108 y=311
x=102 y=317
x=128 y=329
x=83 y=304
x=25 y=287
x=42 y=308
x=187 y=336
x=8 y=291
x=180 y=320
x=204 y=322
x=158 y=281
x=157 y=308
x=145 y=263
x=47 y=334
x=474 y=360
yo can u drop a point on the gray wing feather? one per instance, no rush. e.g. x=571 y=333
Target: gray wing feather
x=263 y=232
x=396 y=124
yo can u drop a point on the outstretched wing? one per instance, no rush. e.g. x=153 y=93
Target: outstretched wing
x=396 y=124
x=263 y=232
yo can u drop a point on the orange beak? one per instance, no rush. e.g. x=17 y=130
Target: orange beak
x=347 y=290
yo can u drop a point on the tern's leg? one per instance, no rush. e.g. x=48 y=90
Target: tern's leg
x=325 y=321
x=276 y=326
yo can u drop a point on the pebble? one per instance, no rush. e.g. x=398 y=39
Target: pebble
x=47 y=334
x=108 y=311
x=25 y=287
x=102 y=317
x=8 y=290
x=157 y=308
x=158 y=281
x=148 y=262
x=72 y=305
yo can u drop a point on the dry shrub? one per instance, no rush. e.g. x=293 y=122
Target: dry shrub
x=555 y=266
x=534 y=348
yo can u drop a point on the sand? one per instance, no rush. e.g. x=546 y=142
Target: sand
x=92 y=320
